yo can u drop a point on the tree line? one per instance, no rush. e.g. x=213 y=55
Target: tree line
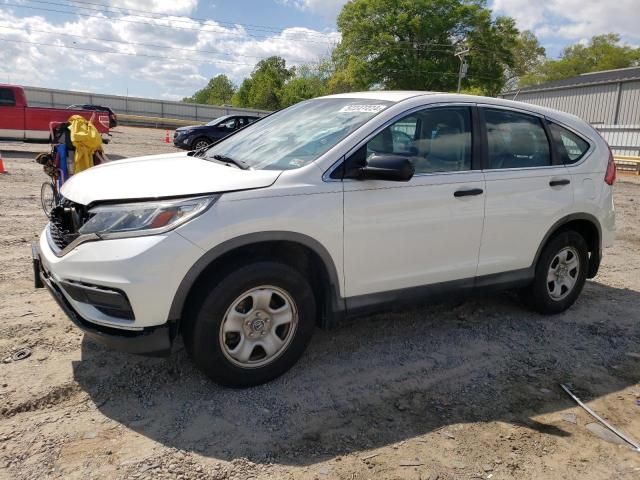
x=418 y=45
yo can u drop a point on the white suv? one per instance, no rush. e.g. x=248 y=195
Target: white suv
x=334 y=207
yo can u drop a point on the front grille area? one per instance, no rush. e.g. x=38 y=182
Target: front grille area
x=57 y=235
x=65 y=221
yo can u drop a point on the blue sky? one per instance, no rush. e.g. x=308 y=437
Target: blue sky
x=170 y=48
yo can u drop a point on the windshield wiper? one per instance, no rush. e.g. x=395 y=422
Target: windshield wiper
x=228 y=160
x=199 y=152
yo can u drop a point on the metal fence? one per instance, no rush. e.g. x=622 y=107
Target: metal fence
x=145 y=107
x=623 y=139
x=612 y=108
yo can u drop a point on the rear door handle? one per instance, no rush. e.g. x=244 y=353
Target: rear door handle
x=559 y=183
x=467 y=193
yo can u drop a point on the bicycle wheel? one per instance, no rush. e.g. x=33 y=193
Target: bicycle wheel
x=48 y=197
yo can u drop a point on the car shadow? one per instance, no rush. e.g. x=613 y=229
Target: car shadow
x=382 y=379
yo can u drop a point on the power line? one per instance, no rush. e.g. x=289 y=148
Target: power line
x=203 y=28
x=411 y=46
x=116 y=52
x=265 y=28
x=294 y=60
x=167 y=47
x=130 y=54
x=415 y=71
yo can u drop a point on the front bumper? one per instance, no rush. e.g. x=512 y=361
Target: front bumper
x=153 y=341
x=182 y=141
x=147 y=270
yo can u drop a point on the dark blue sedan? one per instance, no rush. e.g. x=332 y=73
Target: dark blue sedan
x=199 y=136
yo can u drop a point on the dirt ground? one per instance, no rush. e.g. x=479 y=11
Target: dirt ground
x=454 y=391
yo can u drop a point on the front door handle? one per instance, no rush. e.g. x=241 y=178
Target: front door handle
x=467 y=193
x=559 y=183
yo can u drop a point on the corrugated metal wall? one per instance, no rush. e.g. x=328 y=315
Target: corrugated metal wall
x=44 y=97
x=595 y=104
x=623 y=140
x=614 y=109
x=629 y=113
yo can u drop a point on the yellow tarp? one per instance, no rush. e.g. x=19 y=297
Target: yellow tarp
x=86 y=139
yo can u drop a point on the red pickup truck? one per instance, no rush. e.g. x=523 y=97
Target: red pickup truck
x=20 y=122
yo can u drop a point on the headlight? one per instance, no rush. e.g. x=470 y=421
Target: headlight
x=144 y=218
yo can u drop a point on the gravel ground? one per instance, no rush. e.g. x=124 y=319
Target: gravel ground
x=467 y=390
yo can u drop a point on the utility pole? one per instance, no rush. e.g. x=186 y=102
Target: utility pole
x=463 y=66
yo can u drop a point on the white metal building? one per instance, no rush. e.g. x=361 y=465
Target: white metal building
x=609 y=100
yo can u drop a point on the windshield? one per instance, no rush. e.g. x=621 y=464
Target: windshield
x=298 y=135
x=216 y=121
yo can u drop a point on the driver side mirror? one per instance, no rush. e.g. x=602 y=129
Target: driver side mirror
x=394 y=168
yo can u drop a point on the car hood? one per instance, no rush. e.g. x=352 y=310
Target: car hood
x=155 y=176
x=193 y=127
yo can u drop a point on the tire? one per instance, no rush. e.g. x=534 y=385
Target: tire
x=560 y=274
x=249 y=302
x=200 y=142
x=48 y=197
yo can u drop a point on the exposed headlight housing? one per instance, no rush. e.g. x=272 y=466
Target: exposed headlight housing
x=144 y=218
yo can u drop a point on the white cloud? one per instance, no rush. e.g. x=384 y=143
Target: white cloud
x=297 y=45
x=175 y=7
x=197 y=50
x=327 y=8
x=574 y=19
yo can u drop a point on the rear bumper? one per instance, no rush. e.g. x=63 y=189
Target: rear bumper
x=152 y=341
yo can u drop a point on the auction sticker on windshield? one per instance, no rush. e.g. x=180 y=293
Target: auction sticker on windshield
x=362 y=108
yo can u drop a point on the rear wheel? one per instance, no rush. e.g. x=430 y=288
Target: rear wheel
x=560 y=275
x=252 y=325
x=48 y=197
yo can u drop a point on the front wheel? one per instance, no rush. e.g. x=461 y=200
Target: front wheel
x=48 y=197
x=560 y=275
x=201 y=143
x=252 y=325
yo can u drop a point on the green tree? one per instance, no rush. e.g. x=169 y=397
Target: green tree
x=528 y=55
x=241 y=97
x=218 y=91
x=310 y=81
x=302 y=88
x=263 y=89
x=602 y=52
x=411 y=44
x=345 y=77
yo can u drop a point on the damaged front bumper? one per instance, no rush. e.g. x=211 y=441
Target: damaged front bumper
x=151 y=341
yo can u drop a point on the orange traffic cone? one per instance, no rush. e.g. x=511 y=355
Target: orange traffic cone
x=2 y=170
x=166 y=137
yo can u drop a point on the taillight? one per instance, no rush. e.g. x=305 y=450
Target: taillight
x=610 y=176
x=104 y=120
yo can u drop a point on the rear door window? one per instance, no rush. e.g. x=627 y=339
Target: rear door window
x=570 y=147
x=7 y=97
x=515 y=140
